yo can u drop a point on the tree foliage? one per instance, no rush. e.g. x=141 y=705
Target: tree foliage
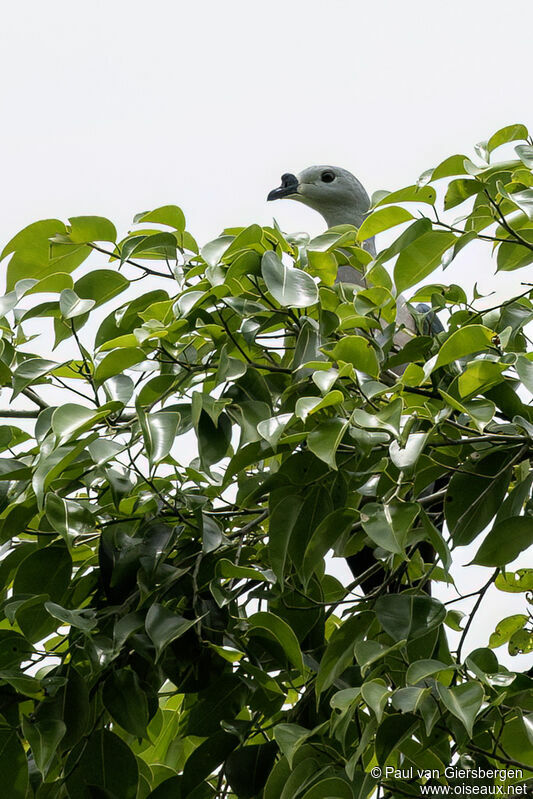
x=169 y=628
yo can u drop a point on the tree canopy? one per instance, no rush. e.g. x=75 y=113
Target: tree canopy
x=171 y=626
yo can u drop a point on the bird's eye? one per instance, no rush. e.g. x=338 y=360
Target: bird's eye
x=327 y=177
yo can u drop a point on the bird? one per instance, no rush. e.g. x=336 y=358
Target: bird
x=341 y=199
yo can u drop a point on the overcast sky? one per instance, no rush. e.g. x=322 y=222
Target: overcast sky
x=112 y=107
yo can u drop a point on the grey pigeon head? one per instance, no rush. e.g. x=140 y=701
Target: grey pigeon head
x=331 y=190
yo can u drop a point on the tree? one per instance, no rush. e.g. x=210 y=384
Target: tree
x=168 y=626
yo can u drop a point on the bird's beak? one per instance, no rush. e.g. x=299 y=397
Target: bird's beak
x=289 y=186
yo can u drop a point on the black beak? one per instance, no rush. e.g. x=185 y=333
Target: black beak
x=289 y=185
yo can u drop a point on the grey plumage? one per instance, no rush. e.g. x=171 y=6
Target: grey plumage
x=341 y=199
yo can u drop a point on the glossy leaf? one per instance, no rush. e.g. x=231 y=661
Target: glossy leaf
x=383 y=219
x=506 y=134
x=292 y=288
x=468 y=340
x=409 y=617
x=324 y=440
x=359 y=352
x=420 y=258
x=463 y=701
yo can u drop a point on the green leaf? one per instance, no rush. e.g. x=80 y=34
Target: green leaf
x=505 y=541
x=204 y=760
x=424 y=668
x=272 y=429
x=411 y=194
x=247 y=768
x=474 y=496
x=116 y=362
x=30 y=372
x=381 y=220
x=339 y=651
x=75 y=618
x=413 y=232
x=292 y=288
x=376 y=694
x=70 y=418
x=323 y=265
x=213 y=251
x=91 y=228
x=480 y=376
x=323 y=441
x=522 y=199
x=463 y=701
x=169 y=215
x=392 y=731
x=213 y=439
x=460 y=190
x=45 y=571
x=506 y=134
x=323 y=539
x=506 y=628
x=515 y=582
x=359 y=352
x=104 y=761
x=164 y=626
x=466 y=341
x=101 y=285
x=71 y=305
x=159 y=433
x=43 y=737
x=281 y=632
x=513 y=255
x=126 y=702
x=405 y=457
x=42 y=261
x=53 y=284
x=389 y=524
x=329 y=787
x=290 y=738
x=13 y=763
x=408 y=617
x=421 y=257
x=454 y=165
x=283 y=518
x=525 y=153
x=306 y=406
x=211 y=534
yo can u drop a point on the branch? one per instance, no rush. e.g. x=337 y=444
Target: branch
x=508 y=760
x=7 y=413
x=30 y=393
x=475 y=609
x=505 y=224
x=145 y=269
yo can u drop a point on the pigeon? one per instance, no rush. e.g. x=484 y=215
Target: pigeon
x=341 y=199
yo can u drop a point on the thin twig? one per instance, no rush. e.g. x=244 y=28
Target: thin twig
x=146 y=269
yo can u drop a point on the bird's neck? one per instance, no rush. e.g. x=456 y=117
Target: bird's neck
x=347 y=215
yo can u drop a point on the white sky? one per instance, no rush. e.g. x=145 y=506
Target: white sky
x=117 y=106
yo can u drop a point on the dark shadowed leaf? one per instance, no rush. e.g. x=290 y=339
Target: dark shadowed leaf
x=409 y=617
x=505 y=542
x=126 y=702
x=164 y=625
x=106 y=762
